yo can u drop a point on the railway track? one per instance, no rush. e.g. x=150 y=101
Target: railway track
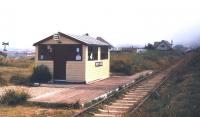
x=129 y=100
x=134 y=98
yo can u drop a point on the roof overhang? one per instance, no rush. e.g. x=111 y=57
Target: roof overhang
x=69 y=37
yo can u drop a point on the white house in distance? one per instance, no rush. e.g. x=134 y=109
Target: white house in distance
x=74 y=58
x=163 y=45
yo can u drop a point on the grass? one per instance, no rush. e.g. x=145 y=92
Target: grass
x=17 y=72
x=180 y=95
x=2 y=81
x=20 y=63
x=14 y=97
x=34 y=111
x=12 y=68
x=129 y=63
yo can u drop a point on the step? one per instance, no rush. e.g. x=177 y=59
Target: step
x=122 y=104
x=138 y=90
x=154 y=82
x=142 y=90
x=111 y=111
x=127 y=101
x=145 y=87
x=136 y=93
x=117 y=107
x=126 y=98
x=134 y=96
x=104 y=115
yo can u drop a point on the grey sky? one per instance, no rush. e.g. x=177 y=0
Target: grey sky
x=137 y=22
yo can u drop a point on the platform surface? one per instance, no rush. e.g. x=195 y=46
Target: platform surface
x=86 y=92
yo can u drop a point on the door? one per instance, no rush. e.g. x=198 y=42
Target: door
x=59 y=63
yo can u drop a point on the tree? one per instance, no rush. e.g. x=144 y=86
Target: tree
x=149 y=46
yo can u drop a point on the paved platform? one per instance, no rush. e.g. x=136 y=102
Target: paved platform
x=87 y=92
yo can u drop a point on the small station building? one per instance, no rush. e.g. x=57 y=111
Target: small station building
x=74 y=58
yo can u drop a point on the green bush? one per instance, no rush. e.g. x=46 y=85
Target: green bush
x=129 y=63
x=2 y=82
x=122 y=67
x=12 y=97
x=41 y=74
x=19 y=80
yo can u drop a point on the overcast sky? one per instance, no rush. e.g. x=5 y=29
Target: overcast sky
x=136 y=22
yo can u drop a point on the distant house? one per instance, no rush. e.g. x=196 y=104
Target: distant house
x=163 y=45
x=117 y=50
x=74 y=58
x=141 y=50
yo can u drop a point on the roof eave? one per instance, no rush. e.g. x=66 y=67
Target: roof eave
x=67 y=36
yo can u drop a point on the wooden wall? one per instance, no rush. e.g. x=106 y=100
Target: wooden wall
x=79 y=71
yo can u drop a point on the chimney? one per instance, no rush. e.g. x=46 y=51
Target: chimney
x=171 y=42
x=86 y=34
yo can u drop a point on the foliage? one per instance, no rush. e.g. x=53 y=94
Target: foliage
x=18 y=79
x=12 y=97
x=182 y=102
x=41 y=74
x=12 y=62
x=149 y=46
x=122 y=67
x=181 y=48
x=92 y=102
x=2 y=81
x=34 y=111
x=129 y=63
x=75 y=105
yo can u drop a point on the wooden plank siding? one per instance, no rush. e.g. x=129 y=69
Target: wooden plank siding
x=79 y=71
x=94 y=73
x=76 y=69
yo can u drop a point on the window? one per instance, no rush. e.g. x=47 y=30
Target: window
x=45 y=52
x=162 y=45
x=92 y=53
x=68 y=52
x=104 y=53
x=78 y=56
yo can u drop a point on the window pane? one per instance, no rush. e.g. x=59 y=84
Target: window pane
x=104 y=52
x=92 y=53
x=45 y=52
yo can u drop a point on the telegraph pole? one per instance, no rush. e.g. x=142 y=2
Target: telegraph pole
x=5 y=44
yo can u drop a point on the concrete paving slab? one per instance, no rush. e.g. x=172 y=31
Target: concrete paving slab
x=87 y=92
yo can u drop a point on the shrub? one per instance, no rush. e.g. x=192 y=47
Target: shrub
x=12 y=97
x=2 y=82
x=77 y=105
x=21 y=63
x=19 y=80
x=40 y=74
x=129 y=63
x=122 y=67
